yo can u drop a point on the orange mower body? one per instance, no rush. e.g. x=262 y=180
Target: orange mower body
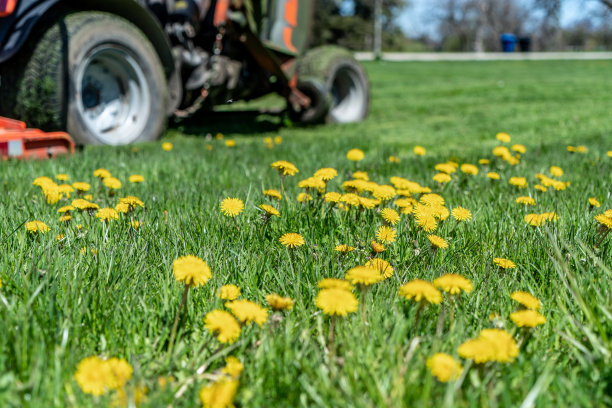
x=16 y=141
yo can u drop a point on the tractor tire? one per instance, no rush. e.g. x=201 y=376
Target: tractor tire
x=320 y=102
x=344 y=78
x=92 y=74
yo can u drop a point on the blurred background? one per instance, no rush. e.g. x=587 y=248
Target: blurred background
x=465 y=25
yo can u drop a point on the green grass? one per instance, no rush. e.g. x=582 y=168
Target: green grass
x=57 y=306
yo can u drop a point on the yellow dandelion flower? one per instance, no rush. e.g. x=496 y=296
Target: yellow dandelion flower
x=525 y=200
x=81 y=186
x=58 y=237
x=377 y=247
x=419 y=150
x=120 y=371
x=344 y=248
x=604 y=221
x=334 y=283
x=65 y=209
x=432 y=200
x=519 y=148
x=337 y=302
x=278 y=302
x=247 y=311
x=219 y=394
x=535 y=220
x=65 y=218
x=223 y=324
x=269 y=210
x=233 y=367
x=41 y=181
x=135 y=224
x=304 y=197
x=88 y=197
x=363 y=275
x=112 y=183
x=292 y=240
x=101 y=173
x=65 y=189
x=62 y=177
x=219 y=136
x=361 y=175
x=520 y=182
x=469 y=169
x=437 y=241
x=540 y=187
x=556 y=171
x=122 y=208
x=503 y=137
x=504 y=263
x=527 y=318
x=191 y=270
x=209 y=147
x=368 y=203
x=107 y=214
x=284 y=168
x=92 y=375
x=426 y=221
x=502 y=152
x=167 y=146
x=419 y=290
x=453 y=283
x=36 y=226
x=384 y=192
x=312 y=182
x=461 y=214
x=275 y=194
x=332 y=197
x=445 y=168
x=581 y=149
x=394 y=159
x=278 y=140
x=230 y=143
x=326 y=173
x=231 y=207
x=350 y=199
x=136 y=178
x=593 y=202
x=386 y=234
x=132 y=201
x=526 y=299
x=355 y=155
x=484 y=161
x=444 y=367
x=382 y=266
x=491 y=345
x=442 y=178
x=493 y=175
x=229 y=292
x=390 y=215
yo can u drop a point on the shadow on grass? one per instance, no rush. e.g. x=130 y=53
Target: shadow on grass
x=244 y=122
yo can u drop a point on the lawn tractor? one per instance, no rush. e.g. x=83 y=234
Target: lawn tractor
x=113 y=71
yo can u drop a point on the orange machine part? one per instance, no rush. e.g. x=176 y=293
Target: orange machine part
x=7 y=7
x=18 y=142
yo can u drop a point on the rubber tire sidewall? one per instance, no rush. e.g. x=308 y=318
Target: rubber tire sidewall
x=356 y=67
x=89 y=30
x=324 y=62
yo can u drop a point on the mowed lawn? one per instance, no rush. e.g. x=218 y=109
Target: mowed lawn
x=108 y=290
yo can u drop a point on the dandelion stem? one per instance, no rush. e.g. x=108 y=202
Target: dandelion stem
x=176 y=318
x=364 y=294
x=418 y=315
x=332 y=338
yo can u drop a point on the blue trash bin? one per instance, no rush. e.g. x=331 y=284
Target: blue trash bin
x=508 y=42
